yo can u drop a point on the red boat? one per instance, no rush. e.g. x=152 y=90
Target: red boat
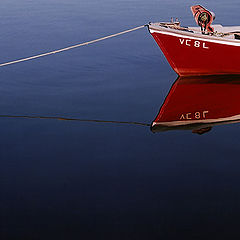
x=203 y=50
x=199 y=103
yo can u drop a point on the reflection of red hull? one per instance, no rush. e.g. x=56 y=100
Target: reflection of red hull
x=194 y=54
x=192 y=102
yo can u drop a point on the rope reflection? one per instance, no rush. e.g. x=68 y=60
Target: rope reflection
x=74 y=119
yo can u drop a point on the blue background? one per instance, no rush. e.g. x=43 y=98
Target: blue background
x=82 y=180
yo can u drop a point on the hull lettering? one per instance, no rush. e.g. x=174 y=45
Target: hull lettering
x=191 y=43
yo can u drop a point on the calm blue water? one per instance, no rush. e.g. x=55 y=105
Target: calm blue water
x=84 y=180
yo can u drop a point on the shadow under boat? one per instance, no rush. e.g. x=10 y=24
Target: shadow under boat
x=199 y=103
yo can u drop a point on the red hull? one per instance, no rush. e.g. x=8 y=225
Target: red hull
x=195 y=55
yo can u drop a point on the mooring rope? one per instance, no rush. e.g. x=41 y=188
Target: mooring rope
x=70 y=47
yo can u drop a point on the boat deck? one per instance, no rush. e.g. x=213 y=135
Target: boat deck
x=228 y=32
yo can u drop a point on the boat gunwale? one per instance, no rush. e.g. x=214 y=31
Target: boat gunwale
x=190 y=33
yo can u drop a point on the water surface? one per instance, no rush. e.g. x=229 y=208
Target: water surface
x=94 y=180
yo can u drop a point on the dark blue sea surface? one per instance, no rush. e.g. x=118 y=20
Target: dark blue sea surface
x=100 y=180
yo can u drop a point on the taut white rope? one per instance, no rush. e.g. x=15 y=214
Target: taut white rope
x=70 y=47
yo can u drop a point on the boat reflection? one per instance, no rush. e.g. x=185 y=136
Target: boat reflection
x=199 y=103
